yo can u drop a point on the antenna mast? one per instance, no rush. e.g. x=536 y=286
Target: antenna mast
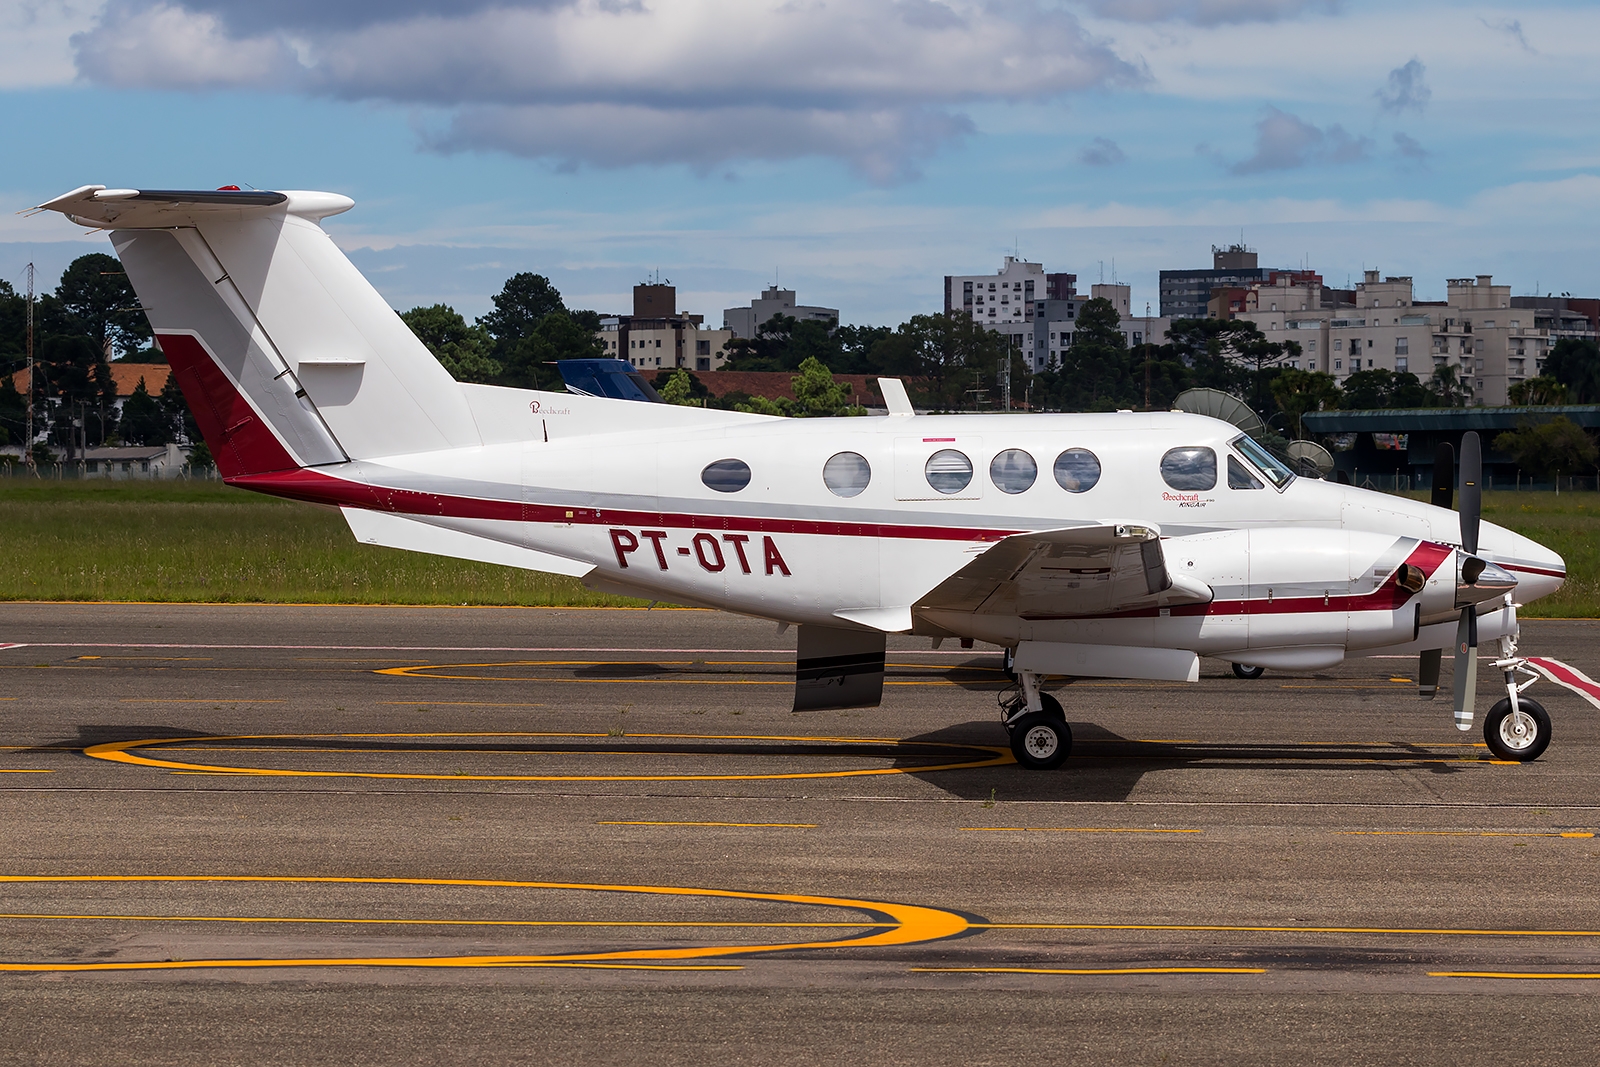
x=27 y=442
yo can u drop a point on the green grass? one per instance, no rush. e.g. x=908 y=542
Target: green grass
x=204 y=542
x=1568 y=524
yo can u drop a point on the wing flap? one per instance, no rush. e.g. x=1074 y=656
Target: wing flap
x=1079 y=570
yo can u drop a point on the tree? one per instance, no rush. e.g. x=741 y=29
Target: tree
x=680 y=387
x=13 y=410
x=176 y=409
x=1575 y=363
x=460 y=349
x=1300 y=391
x=1231 y=355
x=1542 y=391
x=95 y=292
x=519 y=308
x=1094 y=372
x=1558 y=446
x=1368 y=390
x=1448 y=390
x=73 y=371
x=143 y=422
x=767 y=350
x=527 y=364
x=817 y=395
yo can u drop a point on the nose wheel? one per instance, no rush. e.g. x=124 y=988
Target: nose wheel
x=1521 y=733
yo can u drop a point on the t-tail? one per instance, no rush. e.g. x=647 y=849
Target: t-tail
x=287 y=356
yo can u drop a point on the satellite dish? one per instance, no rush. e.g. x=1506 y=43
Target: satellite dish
x=1310 y=459
x=1224 y=406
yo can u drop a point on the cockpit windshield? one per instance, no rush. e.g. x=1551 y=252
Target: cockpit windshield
x=1264 y=461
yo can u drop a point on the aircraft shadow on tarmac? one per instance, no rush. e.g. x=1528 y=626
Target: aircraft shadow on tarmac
x=1105 y=766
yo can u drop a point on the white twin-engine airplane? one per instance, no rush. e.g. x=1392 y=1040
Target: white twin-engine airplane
x=1120 y=545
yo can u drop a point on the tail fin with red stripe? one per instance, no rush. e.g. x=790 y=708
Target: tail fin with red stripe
x=286 y=355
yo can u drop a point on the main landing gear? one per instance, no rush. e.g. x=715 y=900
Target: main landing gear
x=1248 y=673
x=1037 y=725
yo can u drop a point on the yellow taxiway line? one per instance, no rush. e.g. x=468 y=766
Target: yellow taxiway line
x=122 y=752
x=1512 y=974
x=1089 y=970
x=898 y=924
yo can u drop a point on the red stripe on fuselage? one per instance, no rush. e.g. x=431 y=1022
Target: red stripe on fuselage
x=317 y=488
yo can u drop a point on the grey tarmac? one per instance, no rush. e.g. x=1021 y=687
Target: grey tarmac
x=300 y=834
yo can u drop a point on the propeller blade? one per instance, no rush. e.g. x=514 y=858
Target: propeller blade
x=1428 y=672
x=1471 y=490
x=1444 y=474
x=1466 y=668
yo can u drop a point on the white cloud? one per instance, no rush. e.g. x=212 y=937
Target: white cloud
x=1286 y=142
x=1209 y=12
x=35 y=36
x=1407 y=88
x=1102 y=152
x=878 y=83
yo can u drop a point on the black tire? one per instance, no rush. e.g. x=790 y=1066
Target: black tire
x=1523 y=739
x=1040 y=741
x=1248 y=673
x=1052 y=707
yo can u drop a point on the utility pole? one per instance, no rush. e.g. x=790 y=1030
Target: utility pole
x=27 y=443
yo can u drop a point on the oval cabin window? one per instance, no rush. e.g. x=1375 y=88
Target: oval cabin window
x=1013 y=471
x=948 y=471
x=1077 y=470
x=1190 y=468
x=726 y=475
x=846 y=474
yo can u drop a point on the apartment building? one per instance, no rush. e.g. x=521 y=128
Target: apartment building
x=1185 y=293
x=1477 y=330
x=1056 y=324
x=657 y=337
x=745 y=321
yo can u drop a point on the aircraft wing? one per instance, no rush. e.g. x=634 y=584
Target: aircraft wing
x=1080 y=570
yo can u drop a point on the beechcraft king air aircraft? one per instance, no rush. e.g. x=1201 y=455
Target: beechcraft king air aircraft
x=1110 y=545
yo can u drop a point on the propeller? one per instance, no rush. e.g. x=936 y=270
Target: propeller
x=1466 y=650
x=1444 y=476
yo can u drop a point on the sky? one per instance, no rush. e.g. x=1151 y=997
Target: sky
x=853 y=150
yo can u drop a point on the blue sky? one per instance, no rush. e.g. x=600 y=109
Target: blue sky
x=855 y=150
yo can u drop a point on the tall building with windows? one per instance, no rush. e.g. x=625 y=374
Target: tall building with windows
x=657 y=337
x=745 y=321
x=1016 y=301
x=1184 y=293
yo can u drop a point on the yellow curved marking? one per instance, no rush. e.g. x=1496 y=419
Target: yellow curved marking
x=1089 y=970
x=1509 y=974
x=121 y=752
x=907 y=924
x=425 y=670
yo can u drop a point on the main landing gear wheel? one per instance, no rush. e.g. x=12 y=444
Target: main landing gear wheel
x=1520 y=735
x=1241 y=671
x=1041 y=740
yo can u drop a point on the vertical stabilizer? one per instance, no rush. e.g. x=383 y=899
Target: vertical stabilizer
x=286 y=354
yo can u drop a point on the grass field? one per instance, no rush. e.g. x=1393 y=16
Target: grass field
x=202 y=541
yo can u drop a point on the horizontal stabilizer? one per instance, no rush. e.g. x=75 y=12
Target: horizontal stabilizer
x=414 y=535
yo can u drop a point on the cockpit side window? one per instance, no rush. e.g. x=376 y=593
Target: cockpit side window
x=1239 y=476
x=1264 y=461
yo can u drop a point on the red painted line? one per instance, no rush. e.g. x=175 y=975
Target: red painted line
x=316 y=487
x=1546 y=572
x=1568 y=677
